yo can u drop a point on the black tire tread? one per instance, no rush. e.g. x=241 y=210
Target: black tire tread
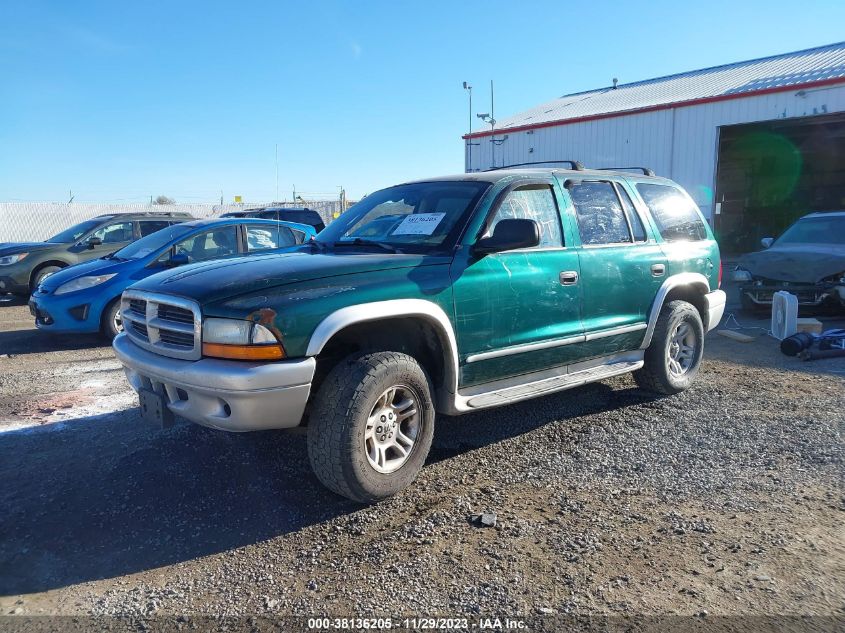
x=335 y=407
x=652 y=377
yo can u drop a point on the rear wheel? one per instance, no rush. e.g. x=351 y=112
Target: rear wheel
x=673 y=357
x=111 y=324
x=371 y=426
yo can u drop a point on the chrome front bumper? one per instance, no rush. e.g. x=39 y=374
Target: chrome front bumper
x=716 y=301
x=222 y=394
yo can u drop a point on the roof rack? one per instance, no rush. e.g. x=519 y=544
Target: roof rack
x=574 y=164
x=646 y=171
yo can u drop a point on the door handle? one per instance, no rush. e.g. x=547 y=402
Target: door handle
x=658 y=270
x=569 y=277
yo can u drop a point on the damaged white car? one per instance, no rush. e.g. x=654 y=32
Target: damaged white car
x=808 y=260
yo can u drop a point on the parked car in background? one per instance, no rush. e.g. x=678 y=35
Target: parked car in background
x=491 y=288
x=807 y=260
x=24 y=265
x=86 y=297
x=302 y=215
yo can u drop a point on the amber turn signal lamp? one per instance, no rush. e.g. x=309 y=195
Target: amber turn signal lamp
x=243 y=352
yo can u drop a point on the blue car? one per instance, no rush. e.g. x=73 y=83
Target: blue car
x=86 y=297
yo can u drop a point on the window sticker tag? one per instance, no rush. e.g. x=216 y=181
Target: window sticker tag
x=419 y=224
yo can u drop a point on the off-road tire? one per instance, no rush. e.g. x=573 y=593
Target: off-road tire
x=39 y=274
x=655 y=375
x=107 y=327
x=338 y=419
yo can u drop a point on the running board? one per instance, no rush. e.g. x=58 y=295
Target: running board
x=544 y=386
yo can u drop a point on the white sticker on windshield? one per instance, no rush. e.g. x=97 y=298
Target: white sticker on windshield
x=419 y=224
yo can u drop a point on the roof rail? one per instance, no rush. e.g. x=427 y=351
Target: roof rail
x=646 y=171
x=574 y=164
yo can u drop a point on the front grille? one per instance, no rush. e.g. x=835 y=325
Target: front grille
x=163 y=324
x=174 y=313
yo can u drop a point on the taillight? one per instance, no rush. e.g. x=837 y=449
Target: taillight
x=720 y=274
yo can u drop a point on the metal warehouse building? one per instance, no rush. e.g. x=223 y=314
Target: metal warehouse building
x=756 y=143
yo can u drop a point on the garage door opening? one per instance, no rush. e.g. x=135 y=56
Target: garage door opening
x=769 y=174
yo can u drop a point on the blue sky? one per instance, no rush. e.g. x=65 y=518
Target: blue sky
x=118 y=101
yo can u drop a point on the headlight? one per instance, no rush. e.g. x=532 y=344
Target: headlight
x=239 y=340
x=81 y=283
x=740 y=274
x=8 y=260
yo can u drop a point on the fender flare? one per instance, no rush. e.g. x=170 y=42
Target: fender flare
x=366 y=312
x=696 y=281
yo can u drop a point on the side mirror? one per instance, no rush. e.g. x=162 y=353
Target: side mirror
x=179 y=259
x=767 y=241
x=509 y=235
x=94 y=241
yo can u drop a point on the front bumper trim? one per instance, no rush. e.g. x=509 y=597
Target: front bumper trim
x=222 y=394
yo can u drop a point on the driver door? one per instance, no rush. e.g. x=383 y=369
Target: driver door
x=518 y=311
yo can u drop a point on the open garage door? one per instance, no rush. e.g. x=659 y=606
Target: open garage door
x=771 y=173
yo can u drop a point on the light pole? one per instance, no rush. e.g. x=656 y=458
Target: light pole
x=468 y=88
x=487 y=118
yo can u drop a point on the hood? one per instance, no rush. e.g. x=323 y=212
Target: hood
x=11 y=248
x=93 y=267
x=802 y=263
x=223 y=279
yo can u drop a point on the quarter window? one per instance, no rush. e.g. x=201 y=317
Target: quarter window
x=533 y=202
x=601 y=219
x=677 y=217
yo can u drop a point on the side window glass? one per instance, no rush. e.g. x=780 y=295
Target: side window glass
x=534 y=202
x=634 y=219
x=260 y=238
x=676 y=216
x=601 y=219
x=209 y=245
x=115 y=233
x=151 y=226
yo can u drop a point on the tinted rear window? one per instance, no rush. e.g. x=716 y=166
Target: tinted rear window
x=676 y=215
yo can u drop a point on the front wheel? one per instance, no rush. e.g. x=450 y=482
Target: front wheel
x=111 y=324
x=371 y=426
x=673 y=357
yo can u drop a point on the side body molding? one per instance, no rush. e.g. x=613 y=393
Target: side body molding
x=696 y=281
x=376 y=310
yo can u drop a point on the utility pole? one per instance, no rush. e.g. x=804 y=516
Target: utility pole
x=468 y=88
x=277 y=172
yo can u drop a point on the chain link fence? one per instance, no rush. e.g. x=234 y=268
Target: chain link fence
x=37 y=221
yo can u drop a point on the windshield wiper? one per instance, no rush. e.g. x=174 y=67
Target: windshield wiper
x=359 y=242
x=321 y=247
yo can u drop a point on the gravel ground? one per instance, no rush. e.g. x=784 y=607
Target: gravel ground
x=724 y=500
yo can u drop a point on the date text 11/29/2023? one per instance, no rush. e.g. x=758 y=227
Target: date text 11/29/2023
x=417 y=624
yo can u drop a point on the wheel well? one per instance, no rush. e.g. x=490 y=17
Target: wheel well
x=414 y=336
x=42 y=265
x=691 y=294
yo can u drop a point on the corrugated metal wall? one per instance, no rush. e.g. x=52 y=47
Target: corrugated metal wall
x=678 y=143
x=35 y=221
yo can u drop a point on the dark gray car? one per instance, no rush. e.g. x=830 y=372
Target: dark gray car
x=808 y=260
x=24 y=264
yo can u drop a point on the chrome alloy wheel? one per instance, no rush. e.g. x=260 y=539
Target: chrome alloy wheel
x=392 y=429
x=117 y=322
x=682 y=349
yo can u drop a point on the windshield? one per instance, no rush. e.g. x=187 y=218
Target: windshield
x=153 y=242
x=416 y=218
x=817 y=230
x=75 y=232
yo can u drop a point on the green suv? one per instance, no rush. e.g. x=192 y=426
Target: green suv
x=24 y=264
x=447 y=295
